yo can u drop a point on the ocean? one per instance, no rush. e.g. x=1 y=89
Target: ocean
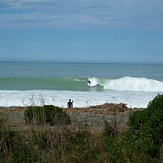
x=26 y=84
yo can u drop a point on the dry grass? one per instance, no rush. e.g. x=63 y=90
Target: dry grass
x=78 y=142
x=91 y=117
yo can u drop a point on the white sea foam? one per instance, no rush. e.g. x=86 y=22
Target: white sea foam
x=129 y=84
x=93 y=81
x=81 y=99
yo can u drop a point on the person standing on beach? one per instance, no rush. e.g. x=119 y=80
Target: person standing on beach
x=70 y=104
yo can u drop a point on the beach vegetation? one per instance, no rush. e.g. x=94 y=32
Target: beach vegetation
x=48 y=114
x=111 y=127
x=140 y=142
x=147 y=127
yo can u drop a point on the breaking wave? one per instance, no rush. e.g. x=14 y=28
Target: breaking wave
x=128 y=83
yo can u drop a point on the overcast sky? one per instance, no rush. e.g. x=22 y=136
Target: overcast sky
x=127 y=31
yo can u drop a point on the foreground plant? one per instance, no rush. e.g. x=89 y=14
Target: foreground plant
x=47 y=114
x=147 y=126
x=140 y=144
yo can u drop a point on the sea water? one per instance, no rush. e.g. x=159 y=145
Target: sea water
x=24 y=84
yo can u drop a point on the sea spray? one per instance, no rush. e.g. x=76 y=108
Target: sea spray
x=129 y=84
x=81 y=99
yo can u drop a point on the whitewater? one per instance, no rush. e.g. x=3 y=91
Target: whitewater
x=128 y=83
x=26 y=84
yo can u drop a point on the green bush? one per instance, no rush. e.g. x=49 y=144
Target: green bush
x=147 y=125
x=35 y=115
x=23 y=149
x=47 y=114
x=56 y=115
x=6 y=138
x=6 y=135
x=83 y=146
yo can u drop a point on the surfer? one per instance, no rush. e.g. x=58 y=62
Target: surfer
x=89 y=82
x=70 y=104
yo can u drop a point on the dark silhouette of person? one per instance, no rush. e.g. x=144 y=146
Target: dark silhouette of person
x=70 y=104
x=89 y=82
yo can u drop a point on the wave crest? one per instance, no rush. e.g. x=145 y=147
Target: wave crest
x=129 y=84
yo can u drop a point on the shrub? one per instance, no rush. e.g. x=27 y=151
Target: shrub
x=47 y=114
x=23 y=149
x=34 y=115
x=56 y=115
x=83 y=146
x=147 y=125
x=6 y=135
x=2 y=123
x=6 y=138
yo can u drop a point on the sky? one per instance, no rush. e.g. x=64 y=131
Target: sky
x=104 y=31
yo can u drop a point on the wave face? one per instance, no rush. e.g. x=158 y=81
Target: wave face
x=128 y=84
x=43 y=83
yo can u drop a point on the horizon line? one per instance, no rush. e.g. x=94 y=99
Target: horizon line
x=77 y=62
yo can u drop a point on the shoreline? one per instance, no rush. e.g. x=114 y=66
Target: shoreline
x=81 y=98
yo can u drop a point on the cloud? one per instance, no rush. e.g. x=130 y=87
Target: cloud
x=106 y=13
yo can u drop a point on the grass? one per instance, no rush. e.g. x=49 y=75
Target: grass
x=74 y=143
